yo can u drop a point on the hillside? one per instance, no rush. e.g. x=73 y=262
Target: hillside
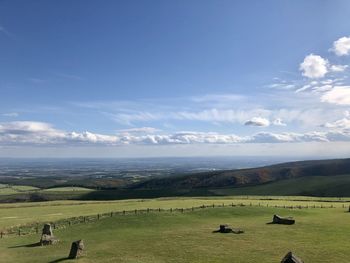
x=250 y=177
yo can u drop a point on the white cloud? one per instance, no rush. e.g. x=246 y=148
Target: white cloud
x=338 y=68
x=10 y=114
x=341 y=47
x=257 y=121
x=339 y=95
x=314 y=66
x=279 y=122
x=139 y=130
x=208 y=115
x=343 y=123
x=39 y=133
x=218 y=98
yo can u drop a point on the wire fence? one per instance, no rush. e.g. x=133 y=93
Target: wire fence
x=33 y=228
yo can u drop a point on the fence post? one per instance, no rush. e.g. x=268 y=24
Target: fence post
x=192 y=208
x=213 y=205
x=135 y=211
x=171 y=210
x=123 y=212
x=19 y=232
x=111 y=214
x=1 y=234
x=69 y=223
x=147 y=210
x=159 y=209
x=182 y=210
x=98 y=216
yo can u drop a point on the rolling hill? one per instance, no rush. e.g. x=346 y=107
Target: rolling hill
x=320 y=177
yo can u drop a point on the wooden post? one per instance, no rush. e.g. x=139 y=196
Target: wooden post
x=135 y=211
x=19 y=231
x=69 y=223
x=192 y=208
x=98 y=216
x=213 y=205
x=147 y=210
x=111 y=214
x=159 y=209
x=123 y=212
x=171 y=210
x=1 y=234
x=182 y=210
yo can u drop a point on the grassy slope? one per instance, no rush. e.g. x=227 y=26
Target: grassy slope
x=320 y=235
x=252 y=176
x=24 y=213
x=15 y=189
x=311 y=186
x=67 y=189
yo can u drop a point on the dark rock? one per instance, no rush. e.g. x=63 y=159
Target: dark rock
x=47 y=230
x=283 y=220
x=228 y=229
x=47 y=237
x=48 y=240
x=76 y=249
x=291 y=258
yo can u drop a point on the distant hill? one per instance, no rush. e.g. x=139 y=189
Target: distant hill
x=303 y=178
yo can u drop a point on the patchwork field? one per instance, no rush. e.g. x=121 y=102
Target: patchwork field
x=319 y=235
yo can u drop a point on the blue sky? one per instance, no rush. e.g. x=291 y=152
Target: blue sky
x=149 y=78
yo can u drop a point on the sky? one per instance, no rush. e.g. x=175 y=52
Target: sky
x=174 y=78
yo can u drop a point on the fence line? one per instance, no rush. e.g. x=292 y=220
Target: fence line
x=63 y=223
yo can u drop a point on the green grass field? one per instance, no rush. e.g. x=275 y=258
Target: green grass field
x=25 y=213
x=67 y=189
x=319 y=235
x=6 y=189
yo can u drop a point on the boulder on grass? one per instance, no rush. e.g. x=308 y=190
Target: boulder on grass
x=47 y=237
x=228 y=229
x=76 y=249
x=47 y=240
x=283 y=220
x=47 y=230
x=291 y=258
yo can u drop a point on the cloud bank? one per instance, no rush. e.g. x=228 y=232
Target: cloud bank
x=39 y=133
